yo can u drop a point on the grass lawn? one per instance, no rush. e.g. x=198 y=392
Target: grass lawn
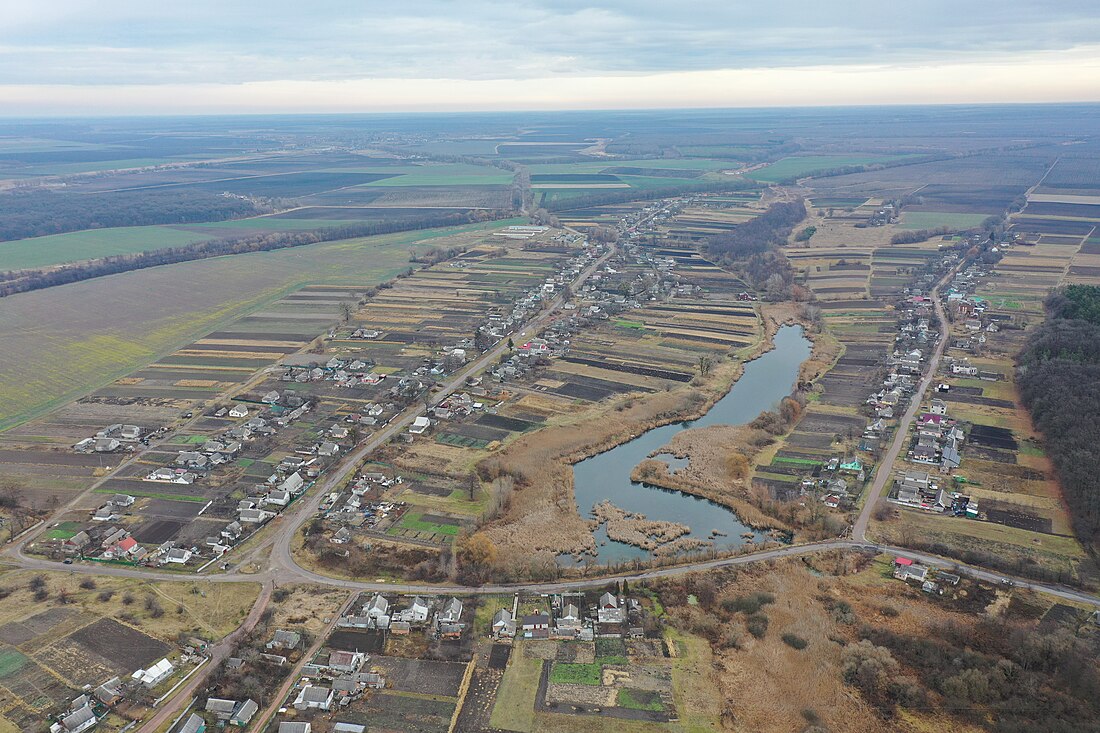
x=639 y=700
x=515 y=704
x=414 y=521
x=11 y=661
x=576 y=674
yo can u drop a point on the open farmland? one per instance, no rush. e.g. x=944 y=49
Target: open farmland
x=804 y=165
x=107 y=332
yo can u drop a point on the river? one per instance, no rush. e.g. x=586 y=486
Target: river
x=765 y=382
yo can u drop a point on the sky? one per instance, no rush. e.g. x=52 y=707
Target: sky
x=202 y=56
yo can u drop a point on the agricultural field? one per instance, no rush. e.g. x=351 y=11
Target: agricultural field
x=805 y=165
x=110 y=331
x=90 y=244
x=59 y=633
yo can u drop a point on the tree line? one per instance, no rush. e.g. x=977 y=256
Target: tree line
x=26 y=280
x=41 y=212
x=1058 y=374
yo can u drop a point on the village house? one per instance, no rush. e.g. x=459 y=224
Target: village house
x=504 y=626
x=288 y=640
x=295 y=727
x=79 y=718
x=193 y=724
x=154 y=675
x=314 y=697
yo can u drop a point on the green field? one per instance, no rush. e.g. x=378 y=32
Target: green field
x=415 y=522
x=285 y=225
x=933 y=219
x=576 y=674
x=805 y=164
x=63 y=342
x=11 y=661
x=515 y=703
x=89 y=244
x=459 y=174
x=639 y=700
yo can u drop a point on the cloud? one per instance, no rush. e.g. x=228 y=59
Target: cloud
x=63 y=45
x=1039 y=77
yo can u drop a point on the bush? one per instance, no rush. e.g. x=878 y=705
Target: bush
x=153 y=607
x=280 y=595
x=794 y=641
x=757 y=625
x=747 y=604
x=105 y=595
x=127 y=599
x=38 y=582
x=41 y=594
x=88 y=584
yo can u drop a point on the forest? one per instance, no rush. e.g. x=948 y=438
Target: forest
x=41 y=212
x=758 y=235
x=1059 y=379
x=1011 y=677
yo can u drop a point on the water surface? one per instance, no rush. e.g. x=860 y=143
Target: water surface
x=764 y=383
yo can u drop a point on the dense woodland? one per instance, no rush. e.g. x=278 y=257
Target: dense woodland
x=758 y=235
x=27 y=280
x=40 y=212
x=1005 y=677
x=1059 y=378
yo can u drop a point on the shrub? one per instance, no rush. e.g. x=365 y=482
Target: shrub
x=757 y=625
x=794 y=641
x=105 y=595
x=747 y=604
x=88 y=584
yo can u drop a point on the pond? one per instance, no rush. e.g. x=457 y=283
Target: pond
x=765 y=382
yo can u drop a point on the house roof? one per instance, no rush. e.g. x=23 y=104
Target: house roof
x=316 y=693
x=78 y=717
x=192 y=725
x=220 y=705
x=247 y=709
x=902 y=561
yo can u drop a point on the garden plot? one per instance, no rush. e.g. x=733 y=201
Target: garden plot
x=392 y=712
x=423 y=676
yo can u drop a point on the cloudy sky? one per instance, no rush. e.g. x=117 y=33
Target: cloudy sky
x=123 y=56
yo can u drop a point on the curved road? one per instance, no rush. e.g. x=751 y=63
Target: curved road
x=283 y=568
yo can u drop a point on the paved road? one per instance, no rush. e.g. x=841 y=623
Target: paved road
x=885 y=470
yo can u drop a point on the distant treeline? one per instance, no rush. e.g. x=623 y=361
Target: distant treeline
x=912 y=236
x=40 y=212
x=1059 y=379
x=26 y=280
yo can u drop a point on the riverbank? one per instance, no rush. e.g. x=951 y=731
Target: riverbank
x=543 y=516
x=720 y=457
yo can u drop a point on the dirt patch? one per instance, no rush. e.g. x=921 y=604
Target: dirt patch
x=127 y=648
